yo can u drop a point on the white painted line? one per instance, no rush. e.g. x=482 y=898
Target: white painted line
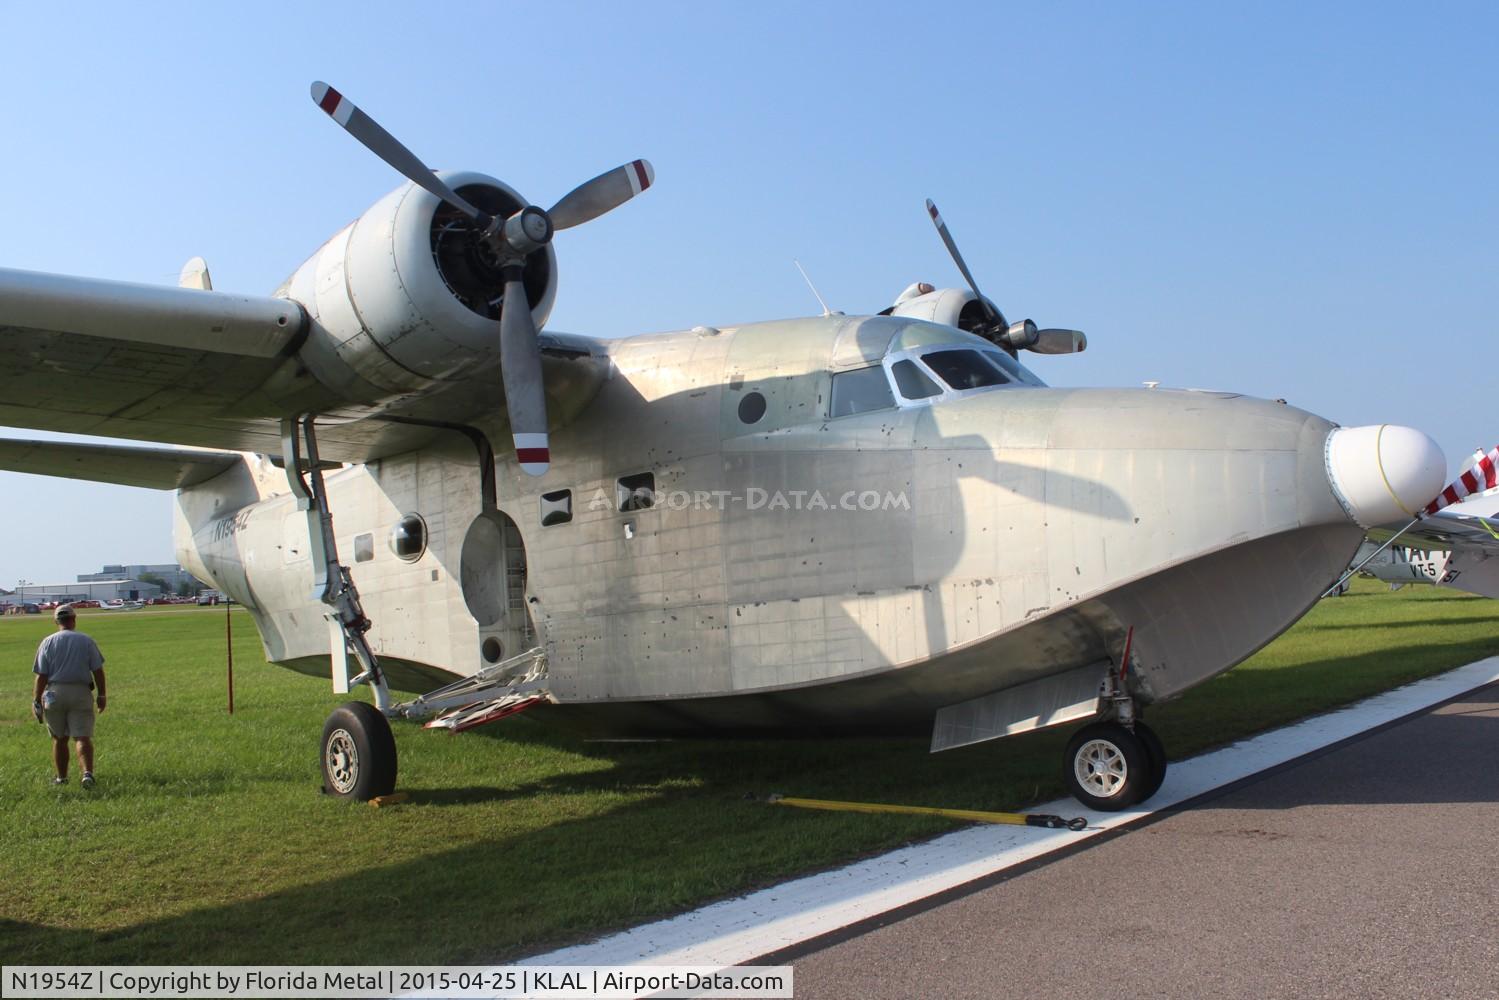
x=737 y=930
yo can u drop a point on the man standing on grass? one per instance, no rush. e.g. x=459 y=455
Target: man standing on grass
x=68 y=665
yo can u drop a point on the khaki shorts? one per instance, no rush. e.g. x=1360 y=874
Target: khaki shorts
x=71 y=712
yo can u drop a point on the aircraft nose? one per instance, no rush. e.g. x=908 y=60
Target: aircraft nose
x=1384 y=473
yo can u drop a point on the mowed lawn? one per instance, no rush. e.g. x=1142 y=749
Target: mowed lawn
x=207 y=841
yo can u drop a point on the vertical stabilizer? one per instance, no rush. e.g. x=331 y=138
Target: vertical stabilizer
x=195 y=275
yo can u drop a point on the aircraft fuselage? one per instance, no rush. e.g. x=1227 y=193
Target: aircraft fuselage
x=804 y=570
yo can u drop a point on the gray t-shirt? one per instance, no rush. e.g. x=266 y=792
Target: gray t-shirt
x=68 y=657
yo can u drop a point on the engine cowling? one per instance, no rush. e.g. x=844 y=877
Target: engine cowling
x=407 y=296
x=957 y=307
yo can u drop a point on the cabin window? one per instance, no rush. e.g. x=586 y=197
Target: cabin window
x=912 y=382
x=860 y=391
x=964 y=369
x=752 y=407
x=408 y=539
x=556 y=507
x=364 y=547
x=637 y=492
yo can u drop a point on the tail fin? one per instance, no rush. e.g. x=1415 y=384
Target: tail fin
x=195 y=275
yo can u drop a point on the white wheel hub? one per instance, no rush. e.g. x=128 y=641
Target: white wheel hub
x=1100 y=768
x=342 y=760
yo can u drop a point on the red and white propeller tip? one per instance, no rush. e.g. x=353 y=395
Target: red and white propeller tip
x=386 y=146
x=533 y=453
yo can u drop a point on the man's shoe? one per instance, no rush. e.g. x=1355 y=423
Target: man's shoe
x=59 y=781
x=88 y=779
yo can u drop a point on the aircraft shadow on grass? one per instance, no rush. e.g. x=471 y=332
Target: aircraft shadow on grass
x=1472 y=620
x=512 y=885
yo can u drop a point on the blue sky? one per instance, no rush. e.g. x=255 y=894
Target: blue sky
x=1290 y=201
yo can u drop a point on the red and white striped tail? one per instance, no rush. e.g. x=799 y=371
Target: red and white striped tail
x=1483 y=476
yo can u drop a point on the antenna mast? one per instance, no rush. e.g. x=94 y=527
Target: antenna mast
x=825 y=310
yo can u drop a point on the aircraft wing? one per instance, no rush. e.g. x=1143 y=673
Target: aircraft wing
x=1471 y=524
x=108 y=358
x=1470 y=529
x=152 y=468
x=215 y=370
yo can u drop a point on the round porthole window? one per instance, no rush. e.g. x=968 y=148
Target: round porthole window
x=751 y=407
x=492 y=650
x=408 y=540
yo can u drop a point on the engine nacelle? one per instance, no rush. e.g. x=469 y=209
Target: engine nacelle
x=957 y=307
x=407 y=295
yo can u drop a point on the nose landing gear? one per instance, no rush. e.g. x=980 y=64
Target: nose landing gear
x=1110 y=767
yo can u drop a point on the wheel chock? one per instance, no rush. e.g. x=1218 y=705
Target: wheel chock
x=394 y=798
x=969 y=815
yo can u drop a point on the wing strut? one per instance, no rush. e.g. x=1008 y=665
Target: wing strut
x=332 y=584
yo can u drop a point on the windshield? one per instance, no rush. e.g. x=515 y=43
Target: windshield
x=962 y=368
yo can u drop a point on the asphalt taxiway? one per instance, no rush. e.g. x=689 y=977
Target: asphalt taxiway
x=1369 y=869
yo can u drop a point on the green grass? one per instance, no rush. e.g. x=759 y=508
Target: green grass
x=206 y=840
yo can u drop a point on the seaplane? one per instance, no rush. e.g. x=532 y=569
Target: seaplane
x=835 y=524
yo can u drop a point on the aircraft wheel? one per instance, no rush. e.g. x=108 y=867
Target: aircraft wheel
x=359 y=753
x=1156 y=751
x=1107 y=767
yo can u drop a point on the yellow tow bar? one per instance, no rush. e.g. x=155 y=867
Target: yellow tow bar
x=971 y=815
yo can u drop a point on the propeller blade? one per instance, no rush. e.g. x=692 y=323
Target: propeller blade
x=952 y=248
x=1054 y=341
x=386 y=146
x=520 y=367
x=604 y=193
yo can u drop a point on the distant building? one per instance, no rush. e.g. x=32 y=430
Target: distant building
x=171 y=575
x=92 y=590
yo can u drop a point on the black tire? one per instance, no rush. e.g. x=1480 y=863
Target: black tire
x=1106 y=767
x=1156 y=751
x=359 y=753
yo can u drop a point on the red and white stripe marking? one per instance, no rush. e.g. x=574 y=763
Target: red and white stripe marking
x=337 y=106
x=1483 y=476
x=532 y=453
x=932 y=211
x=642 y=175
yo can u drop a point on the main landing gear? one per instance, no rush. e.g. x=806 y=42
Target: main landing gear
x=359 y=753
x=1110 y=767
x=359 y=750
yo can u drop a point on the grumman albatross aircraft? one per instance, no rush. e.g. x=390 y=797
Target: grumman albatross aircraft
x=873 y=524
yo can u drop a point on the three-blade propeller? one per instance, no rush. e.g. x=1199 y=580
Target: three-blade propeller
x=512 y=240
x=1024 y=335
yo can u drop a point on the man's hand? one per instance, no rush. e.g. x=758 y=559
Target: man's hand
x=36 y=709
x=100 y=701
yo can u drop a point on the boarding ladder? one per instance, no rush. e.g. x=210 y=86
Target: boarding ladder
x=496 y=692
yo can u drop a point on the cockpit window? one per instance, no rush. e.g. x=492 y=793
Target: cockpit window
x=912 y=382
x=964 y=369
x=860 y=391
x=1014 y=369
